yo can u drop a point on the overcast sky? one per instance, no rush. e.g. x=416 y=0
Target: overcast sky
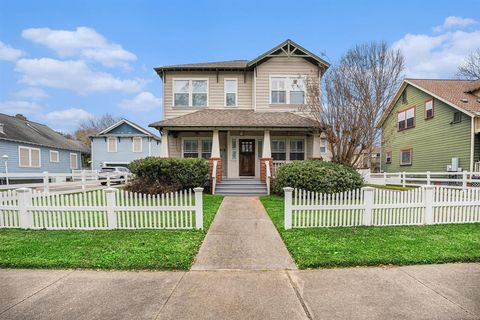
x=62 y=62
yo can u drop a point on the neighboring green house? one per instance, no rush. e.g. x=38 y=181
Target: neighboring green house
x=429 y=123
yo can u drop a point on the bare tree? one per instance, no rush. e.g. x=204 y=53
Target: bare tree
x=92 y=126
x=357 y=91
x=471 y=67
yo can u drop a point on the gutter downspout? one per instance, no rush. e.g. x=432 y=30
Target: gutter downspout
x=472 y=144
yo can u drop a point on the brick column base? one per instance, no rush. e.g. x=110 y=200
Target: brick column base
x=219 y=169
x=263 y=169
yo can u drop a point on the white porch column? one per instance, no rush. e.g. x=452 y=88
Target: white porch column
x=316 y=154
x=215 y=145
x=164 y=144
x=267 y=150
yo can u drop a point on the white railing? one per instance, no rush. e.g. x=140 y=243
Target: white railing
x=277 y=164
x=77 y=180
x=268 y=175
x=461 y=180
x=380 y=207
x=101 y=209
x=214 y=176
x=476 y=167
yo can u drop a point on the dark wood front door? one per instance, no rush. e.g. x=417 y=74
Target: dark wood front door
x=247 y=157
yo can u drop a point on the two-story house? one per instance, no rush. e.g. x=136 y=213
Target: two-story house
x=432 y=125
x=242 y=113
x=121 y=143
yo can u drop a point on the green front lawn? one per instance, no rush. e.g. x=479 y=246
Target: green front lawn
x=115 y=249
x=369 y=246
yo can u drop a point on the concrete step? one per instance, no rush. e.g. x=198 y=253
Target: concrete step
x=241 y=186
x=241 y=193
x=241 y=182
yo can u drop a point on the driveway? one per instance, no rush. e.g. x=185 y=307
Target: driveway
x=449 y=291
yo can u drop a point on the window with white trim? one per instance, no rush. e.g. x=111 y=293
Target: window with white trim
x=112 y=144
x=279 y=150
x=206 y=149
x=197 y=148
x=406 y=157
x=29 y=157
x=287 y=90
x=190 y=148
x=429 y=109
x=73 y=161
x=190 y=93
x=323 y=145
x=54 y=156
x=406 y=119
x=297 y=149
x=234 y=149
x=231 y=92
x=137 y=144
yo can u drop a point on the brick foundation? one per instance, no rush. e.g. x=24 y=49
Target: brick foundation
x=219 y=168
x=263 y=170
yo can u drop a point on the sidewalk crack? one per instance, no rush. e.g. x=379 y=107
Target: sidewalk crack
x=28 y=297
x=299 y=297
x=170 y=295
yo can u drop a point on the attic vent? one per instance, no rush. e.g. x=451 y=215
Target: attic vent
x=464 y=100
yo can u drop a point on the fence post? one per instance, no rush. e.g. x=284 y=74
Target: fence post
x=429 y=191
x=288 y=207
x=384 y=178
x=108 y=180
x=464 y=179
x=428 y=178
x=24 y=201
x=111 y=203
x=198 y=208
x=404 y=179
x=368 y=202
x=84 y=181
x=46 y=181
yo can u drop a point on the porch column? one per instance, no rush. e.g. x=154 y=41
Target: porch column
x=266 y=156
x=316 y=154
x=164 y=144
x=215 y=155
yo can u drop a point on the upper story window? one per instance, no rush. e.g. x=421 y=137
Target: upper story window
x=287 y=90
x=29 y=157
x=112 y=144
x=54 y=156
x=457 y=117
x=230 y=92
x=190 y=93
x=137 y=144
x=297 y=149
x=406 y=119
x=429 y=109
x=323 y=145
x=73 y=161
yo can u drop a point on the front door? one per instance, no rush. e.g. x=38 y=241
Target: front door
x=247 y=157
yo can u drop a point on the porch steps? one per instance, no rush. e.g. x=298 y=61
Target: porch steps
x=241 y=187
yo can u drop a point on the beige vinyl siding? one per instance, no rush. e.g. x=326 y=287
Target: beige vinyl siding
x=216 y=91
x=280 y=66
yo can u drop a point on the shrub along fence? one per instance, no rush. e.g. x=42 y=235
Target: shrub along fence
x=379 y=207
x=101 y=209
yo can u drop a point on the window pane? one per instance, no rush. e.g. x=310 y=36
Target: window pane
x=401 y=116
x=181 y=86
x=181 y=99
x=234 y=149
x=410 y=113
x=35 y=154
x=73 y=161
x=190 y=148
x=296 y=156
x=279 y=97
x=278 y=146
x=296 y=146
x=231 y=99
x=199 y=86
x=278 y=84
x=24 y=157
x=410 y=122
x=429 y=105
x=206 y=149
x=406 y=157
x=297 y=97
x=230 y=86
x=279 y=156
x=260 y=148
x=323 y=145
x=297 y=84
x=199 y=99
x=137 y=144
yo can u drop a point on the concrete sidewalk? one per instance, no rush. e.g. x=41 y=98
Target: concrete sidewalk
x=242 y=237
x=449 y=291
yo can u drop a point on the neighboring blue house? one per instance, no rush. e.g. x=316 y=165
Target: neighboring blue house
x=28 y=146
x=121 y=143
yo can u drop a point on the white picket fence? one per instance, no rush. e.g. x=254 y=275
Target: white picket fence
x=461 y=179
x=380 y=207
x=101 y=209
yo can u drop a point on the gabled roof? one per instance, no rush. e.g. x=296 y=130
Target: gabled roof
x=130 y=123
x=218 y=118
x=288 y=48
x=456 y=93
x=24 y=131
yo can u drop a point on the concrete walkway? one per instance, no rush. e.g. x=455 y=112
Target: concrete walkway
x=242 y=237
x=449 y=291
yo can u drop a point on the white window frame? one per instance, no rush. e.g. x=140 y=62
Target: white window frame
x=30 y=157
x=108 y=144
x=225 y=92
x=58 y=156
x=323 y=144
x=410 y=150
x=199 y=145
x=287 y=88
x=70 y=161
x=290 y=148
x=141 y=144
x=190 y=92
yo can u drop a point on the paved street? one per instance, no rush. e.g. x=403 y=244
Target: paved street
x=450 y=291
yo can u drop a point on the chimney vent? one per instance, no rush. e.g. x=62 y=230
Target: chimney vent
x=464 y=100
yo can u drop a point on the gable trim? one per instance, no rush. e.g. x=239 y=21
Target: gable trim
x=117 y=124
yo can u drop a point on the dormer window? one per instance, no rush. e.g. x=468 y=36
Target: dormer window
x=190 y=93
x=287 y=90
